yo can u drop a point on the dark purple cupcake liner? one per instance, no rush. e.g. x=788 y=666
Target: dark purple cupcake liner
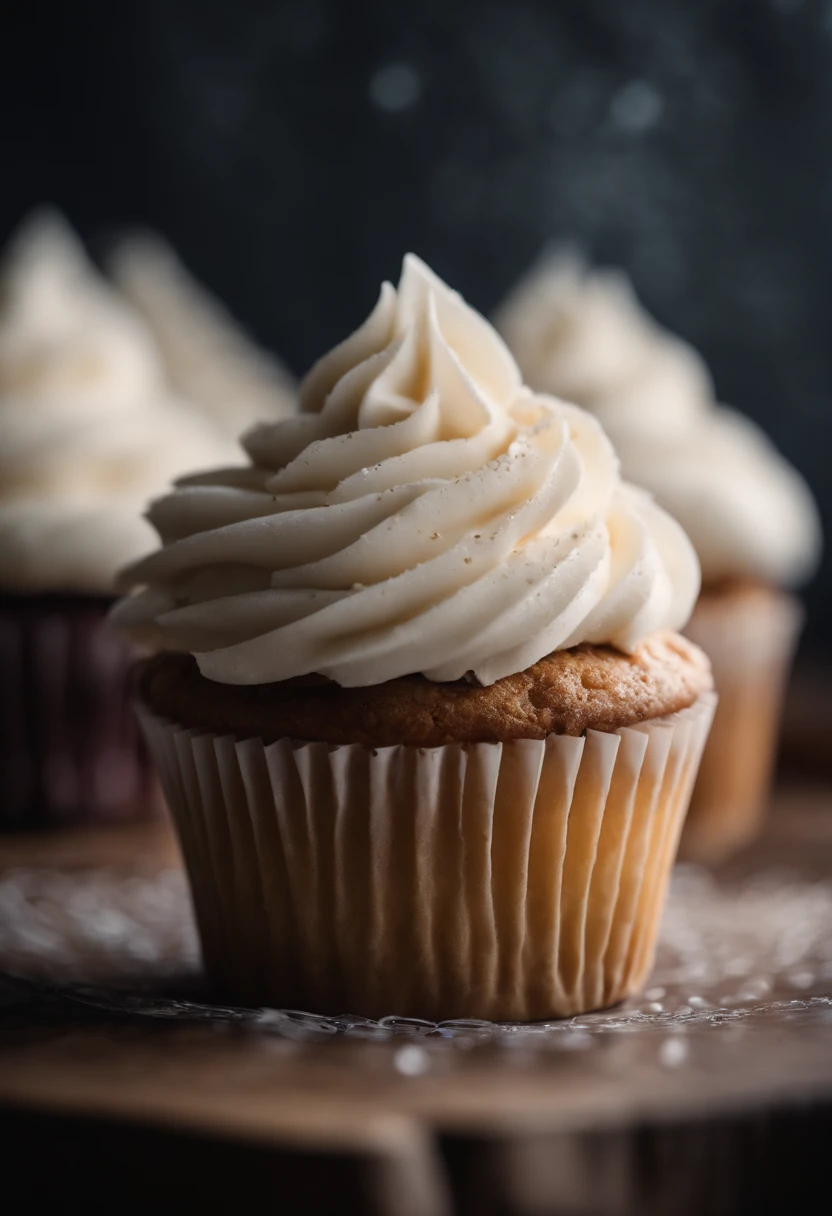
x=70 y=749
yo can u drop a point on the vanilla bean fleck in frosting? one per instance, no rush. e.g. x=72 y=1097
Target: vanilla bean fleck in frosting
x=424 y=513
x=583 y=334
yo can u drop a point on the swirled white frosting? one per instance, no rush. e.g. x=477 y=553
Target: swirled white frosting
x=585 y=336
x=425 y=513
x=207 y=356
x=88 y=428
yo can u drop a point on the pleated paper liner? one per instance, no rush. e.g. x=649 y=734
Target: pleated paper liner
x=70 y=749
x=750 y=641
x=511 y=881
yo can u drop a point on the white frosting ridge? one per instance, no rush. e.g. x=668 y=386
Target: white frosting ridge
x=425 y=513
x=89 y=430
x=208 y=358
x=584 y=335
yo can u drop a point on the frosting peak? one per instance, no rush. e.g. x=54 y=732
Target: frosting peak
x=583 y=334
x=424 y=513
x=63 y=332
x=431 y=334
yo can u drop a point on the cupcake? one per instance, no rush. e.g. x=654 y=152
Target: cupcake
x=88 y=432
x=749 y=514
x=421 y=715
x=207 y=357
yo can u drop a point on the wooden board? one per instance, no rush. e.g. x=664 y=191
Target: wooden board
x=103 y=1016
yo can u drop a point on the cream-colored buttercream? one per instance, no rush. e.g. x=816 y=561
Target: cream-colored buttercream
x=425 y=513
x=89 y=430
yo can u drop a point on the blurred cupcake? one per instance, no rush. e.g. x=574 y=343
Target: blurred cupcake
x=88 y=432
x=749 y=514
x=421 y=719
x=207 y=356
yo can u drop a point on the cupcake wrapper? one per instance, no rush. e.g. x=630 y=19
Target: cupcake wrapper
x=751 y=646
x=503 y=881
x=70 y=748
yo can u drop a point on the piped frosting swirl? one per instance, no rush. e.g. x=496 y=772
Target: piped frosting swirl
x=424 y=513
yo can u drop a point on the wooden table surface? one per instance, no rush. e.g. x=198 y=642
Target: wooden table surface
x=711 y=1092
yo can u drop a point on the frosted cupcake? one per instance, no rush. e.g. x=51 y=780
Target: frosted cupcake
x=88 y=432
x=421 y=716
x=207 y=357
x=749 y=514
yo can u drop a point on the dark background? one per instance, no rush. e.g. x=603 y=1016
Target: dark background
x=292 y=151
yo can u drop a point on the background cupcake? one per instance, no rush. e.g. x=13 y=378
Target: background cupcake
x=89 y=431
x=207 y=357
x=438 y=741
x=749 y=514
